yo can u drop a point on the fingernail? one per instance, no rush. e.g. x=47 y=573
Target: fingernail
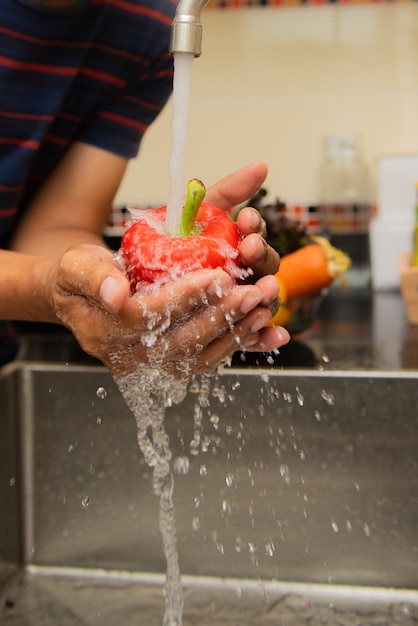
x=108 y=290
x=260 y=322
x=249 y=302
x=261 y=251
x=254 y=220
x=283 y=335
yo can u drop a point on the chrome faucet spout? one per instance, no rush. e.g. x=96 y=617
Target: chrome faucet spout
x=186 y=30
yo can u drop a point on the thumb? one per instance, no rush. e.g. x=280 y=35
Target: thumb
x=92 y=272
x=113 y=293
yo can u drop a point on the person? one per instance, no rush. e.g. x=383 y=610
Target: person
x=81 y=82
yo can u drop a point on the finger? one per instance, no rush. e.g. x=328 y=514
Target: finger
x=271 y=294
x=267 y=340
x=171 y=302
x=250 y=221
x=237 y=187
x=244 y=337
x=189 y=337
x=257 y=254
x=216 y=321
x=186 y=340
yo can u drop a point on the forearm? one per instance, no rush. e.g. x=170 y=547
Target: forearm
x=23 y=280
x=55 y=241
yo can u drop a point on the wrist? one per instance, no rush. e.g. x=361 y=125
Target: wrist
x=24 y=281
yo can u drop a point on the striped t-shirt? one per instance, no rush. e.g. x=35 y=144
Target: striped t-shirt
x=97 y=72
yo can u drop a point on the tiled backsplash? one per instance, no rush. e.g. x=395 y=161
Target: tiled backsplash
x=333 y=218
x=239 y=4
x=272 y=83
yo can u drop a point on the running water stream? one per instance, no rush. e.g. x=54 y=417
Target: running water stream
x=179 y=135
x=150 y=390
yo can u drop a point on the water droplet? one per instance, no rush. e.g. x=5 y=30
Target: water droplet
x=328 y=397
x=334 y=526
x=12 y=481
x=197 y=501
x=194 y=386
x=367 y=530
x=226 y=507
x=219 y=392
x=325 y=358
x=299 y=396
x=203 y=471
x=238 y=545
x=85 y=502
x=270 y=549
x=181 y=465
x=99 y=420
x=229 y=480
x=196 y=524
x=101 y=393
x=285 y=473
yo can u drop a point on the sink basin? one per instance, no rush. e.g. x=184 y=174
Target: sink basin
x=302 y=504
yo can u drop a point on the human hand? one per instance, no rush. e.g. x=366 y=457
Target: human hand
x=233 y=190
x=185 y=326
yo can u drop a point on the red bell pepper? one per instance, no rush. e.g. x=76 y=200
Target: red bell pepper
x=208 y=239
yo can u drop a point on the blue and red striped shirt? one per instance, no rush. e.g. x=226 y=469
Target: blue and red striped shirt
x=97 y=72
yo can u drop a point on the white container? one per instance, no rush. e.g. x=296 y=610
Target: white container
x=391 y=231
x=396 y=177
x=388 y=238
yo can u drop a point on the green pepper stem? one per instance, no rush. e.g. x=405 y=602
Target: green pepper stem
x=195 y=193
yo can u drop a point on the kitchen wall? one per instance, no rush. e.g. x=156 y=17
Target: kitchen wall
x=271 y=83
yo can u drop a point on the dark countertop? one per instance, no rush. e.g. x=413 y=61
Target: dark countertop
x=359 y=330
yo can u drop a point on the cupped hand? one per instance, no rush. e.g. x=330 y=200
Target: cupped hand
x=183 y=327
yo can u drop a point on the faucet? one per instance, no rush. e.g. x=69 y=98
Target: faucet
x=186 y=29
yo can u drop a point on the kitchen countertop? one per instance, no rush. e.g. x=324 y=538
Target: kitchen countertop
x=359 y=330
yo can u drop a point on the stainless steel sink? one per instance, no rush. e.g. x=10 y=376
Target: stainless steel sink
x=302 y=506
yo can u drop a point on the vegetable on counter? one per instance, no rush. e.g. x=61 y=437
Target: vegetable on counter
x=308 y=263
x=312 y=268
x=283 y=234
x=305 y=272
x=208 y=239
